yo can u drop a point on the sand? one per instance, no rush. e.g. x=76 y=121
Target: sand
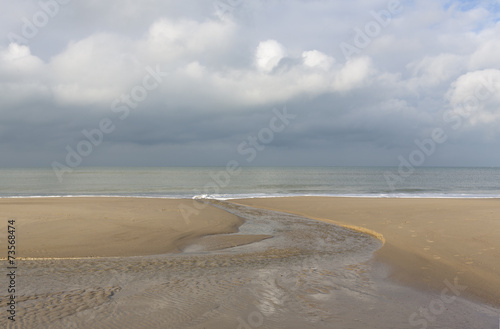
x=426 y=241
x=97 y=227
x=139 y=263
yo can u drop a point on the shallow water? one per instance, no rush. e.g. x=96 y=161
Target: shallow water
x=309 y=275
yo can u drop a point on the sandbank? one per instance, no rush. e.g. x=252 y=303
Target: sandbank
x=74 y=227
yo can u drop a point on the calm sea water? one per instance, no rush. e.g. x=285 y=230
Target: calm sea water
x=253 y=182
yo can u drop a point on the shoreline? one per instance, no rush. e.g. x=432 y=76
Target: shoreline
x=437 y=196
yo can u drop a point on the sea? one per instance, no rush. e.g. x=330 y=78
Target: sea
x=253 y=182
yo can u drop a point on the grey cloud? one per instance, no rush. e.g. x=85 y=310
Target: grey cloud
x=363 y=111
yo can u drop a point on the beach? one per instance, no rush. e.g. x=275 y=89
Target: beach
x=87 y=262
x=426 y=241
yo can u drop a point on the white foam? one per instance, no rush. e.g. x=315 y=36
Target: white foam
x=234 y=196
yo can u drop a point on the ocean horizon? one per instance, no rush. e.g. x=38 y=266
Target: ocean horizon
x=253 y=182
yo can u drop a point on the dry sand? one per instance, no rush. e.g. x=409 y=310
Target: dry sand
x=96 y=227
x=426 y=241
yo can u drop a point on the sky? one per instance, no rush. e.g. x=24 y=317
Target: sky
x=253 y=82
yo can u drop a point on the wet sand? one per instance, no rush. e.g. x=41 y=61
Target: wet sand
x=228 y=266
x=426 y=241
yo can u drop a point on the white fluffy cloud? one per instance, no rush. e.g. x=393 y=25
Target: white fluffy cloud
x=268 y=55
x=355 y=73
x=17 y=61
x=102 y=67
x=317 y=59
x=475 y=96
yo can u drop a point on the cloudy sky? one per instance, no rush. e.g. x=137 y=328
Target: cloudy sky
x=275 y=82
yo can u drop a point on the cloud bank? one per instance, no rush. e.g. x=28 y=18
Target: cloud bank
x=223 y=66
